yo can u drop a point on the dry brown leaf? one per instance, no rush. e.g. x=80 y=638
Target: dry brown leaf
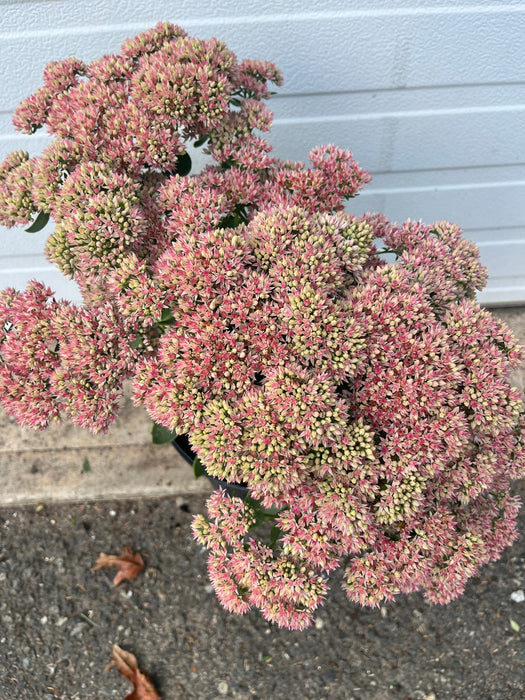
x=129 y=564
x=127 y=666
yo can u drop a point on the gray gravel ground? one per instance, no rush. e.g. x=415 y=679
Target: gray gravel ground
x=59 y=619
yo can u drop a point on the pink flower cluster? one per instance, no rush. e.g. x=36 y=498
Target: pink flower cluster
x=366 y=405
x=57 y=358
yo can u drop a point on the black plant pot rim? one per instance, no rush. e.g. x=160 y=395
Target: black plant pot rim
x=183 y=447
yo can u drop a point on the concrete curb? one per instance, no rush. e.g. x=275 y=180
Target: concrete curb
x=48 y=466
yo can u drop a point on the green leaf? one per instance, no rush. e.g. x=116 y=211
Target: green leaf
x=260 y=517
x=261 y=514
x=39 y=223
x=228 y=163
x=275 y=533
x=183 y=165
x=201 y=141
x=229 y=221
x=258 y=510
x=198 y=468
x=166 y=316
x=137 y=343
x=161 y=435
x=86 y=466
x=514 y=625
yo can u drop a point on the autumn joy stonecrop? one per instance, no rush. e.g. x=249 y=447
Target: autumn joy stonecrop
x=366 y=404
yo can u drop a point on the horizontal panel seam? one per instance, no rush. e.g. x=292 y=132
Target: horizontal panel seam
x=443 y=10
x=442 y=188
x=492 y=244
x=280 y=121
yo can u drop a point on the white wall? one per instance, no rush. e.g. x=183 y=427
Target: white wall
x=429 y=95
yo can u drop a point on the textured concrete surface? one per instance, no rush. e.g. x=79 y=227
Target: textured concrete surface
x=47 y=466
x=58 y=621
x=50 y=465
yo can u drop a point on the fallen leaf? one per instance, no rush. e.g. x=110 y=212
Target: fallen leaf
x=127 y=666
x=129 y=564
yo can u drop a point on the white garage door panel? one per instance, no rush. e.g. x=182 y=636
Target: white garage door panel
x=448 y=177
x=496 y=257
x=62 y=287
x=472 y=207
x=63 y=13
x=29 y=263
x=16 y=241
x=503 y=236
x=513 y=289
x=323 y=52
x=374 y=102
x=33 y=144
x=430 y=97
x=412 y=141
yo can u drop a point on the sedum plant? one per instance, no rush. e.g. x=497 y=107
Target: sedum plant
x=365 y=404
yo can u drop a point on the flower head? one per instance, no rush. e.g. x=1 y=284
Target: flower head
x=366 y=405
